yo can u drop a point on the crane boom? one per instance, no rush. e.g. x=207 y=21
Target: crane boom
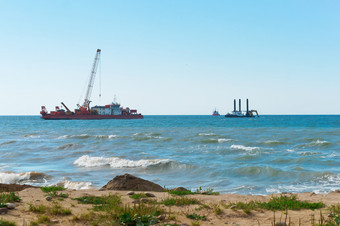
x=91 y=81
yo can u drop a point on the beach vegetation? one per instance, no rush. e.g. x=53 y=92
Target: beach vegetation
x=112 y=210
x=138 y=196
x=282 y=202
x=53 y=192
x=8 y=197
x=181 y=193
x=52 y=189
x=6 y=223
x=196 y=217
x=172 y=217
x=181 y=201
x=217 y=209
x=37 y=208
x=199 y=191
x=55 y=209
x=208 y=191
x=333 y=217
x=41 y=219
x=195 y=223
x=96 y=199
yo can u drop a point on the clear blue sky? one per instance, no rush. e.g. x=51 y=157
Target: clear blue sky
x=172 y=56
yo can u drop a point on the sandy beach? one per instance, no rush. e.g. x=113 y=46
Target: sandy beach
x=216 y=209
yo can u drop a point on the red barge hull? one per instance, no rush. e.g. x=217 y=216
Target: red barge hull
x=89 y=117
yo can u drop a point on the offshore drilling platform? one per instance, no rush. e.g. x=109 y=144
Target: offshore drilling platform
x=239 y=114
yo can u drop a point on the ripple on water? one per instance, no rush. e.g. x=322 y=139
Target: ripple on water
x=70 y=146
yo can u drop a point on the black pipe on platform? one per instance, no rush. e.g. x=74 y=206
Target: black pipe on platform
x=247 y=106
x=234 y=105
x=239 y=105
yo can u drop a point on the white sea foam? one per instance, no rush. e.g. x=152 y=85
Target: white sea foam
x=77 y=185
x=31 y=136
x=290 y=150
x=321 y=142
x=242 y=147
x=318 y=143
x=63 y=137
x=323 y=184
x=12 y=178
x=223 y=140
x=115 y=162
x=16 y=178
x=206 y=134
x=83 y=136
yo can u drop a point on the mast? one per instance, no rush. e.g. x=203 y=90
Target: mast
x=87 y=101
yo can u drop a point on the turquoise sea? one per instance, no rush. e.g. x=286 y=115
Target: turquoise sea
x=231 y=155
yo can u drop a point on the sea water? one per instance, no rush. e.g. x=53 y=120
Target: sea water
x=262 y=155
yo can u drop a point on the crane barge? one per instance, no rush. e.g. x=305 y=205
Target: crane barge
x=110 y=111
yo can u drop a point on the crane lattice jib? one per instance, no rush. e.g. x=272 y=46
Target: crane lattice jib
x=91 y=81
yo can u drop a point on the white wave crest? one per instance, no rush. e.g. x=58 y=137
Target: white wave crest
x=31 y=136
x=206 y=134
x=115 y=162
x=17 y=178
x=77 y=185
x=223 y=140
x=83 y=136
x=318 y=143
x=242 y=147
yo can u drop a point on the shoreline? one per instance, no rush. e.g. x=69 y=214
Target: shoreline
x=217 y=209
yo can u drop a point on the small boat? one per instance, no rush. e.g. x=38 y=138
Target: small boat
x=215 y=113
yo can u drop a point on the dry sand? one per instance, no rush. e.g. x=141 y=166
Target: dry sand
x=22 y=216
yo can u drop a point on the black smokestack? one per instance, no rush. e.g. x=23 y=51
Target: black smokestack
x=247 y=106
x=239 y=105
x=234 y=105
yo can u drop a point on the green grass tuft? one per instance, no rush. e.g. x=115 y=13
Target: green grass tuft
x=196 y=217
x=53 y=210
x=181 y=193
x=6 y=223
x=182 y=201
x=8 y=197
x=138 y=196
x=112 y=211
x=52 y=189
x=277 y=203
x=43 y=219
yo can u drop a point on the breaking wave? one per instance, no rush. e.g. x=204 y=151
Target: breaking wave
x=115 y=162
x=31 y=136
x=206 y=134
x=317 y=143
x=244 y=148
x=322 y=184
x=273 y=142
x=151 y=137
x=18 y=178
x=77 y=185
x=213 y=140
x=86 y=136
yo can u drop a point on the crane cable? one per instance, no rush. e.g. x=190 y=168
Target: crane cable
x=100 y=80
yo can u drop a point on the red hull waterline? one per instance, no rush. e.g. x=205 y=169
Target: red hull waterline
x=89 y=117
